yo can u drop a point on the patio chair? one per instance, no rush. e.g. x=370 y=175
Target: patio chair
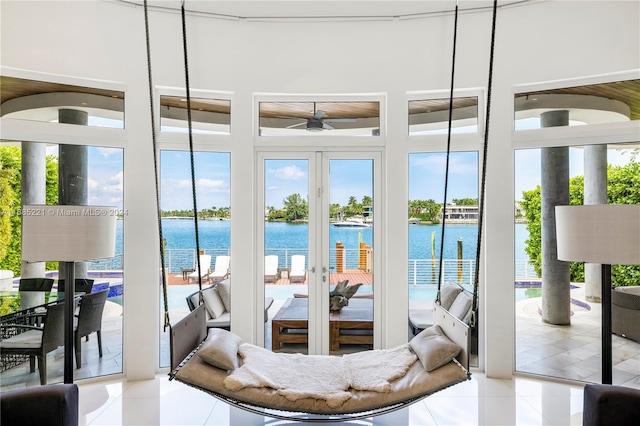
x=205 y=269
x=89 y=320
x=82 y=285
x=35 y=284
x=298 y=272
x=37 y=342
x=271 y=271
x=221 y=269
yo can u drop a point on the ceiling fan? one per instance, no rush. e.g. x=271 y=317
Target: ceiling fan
x=317 y=123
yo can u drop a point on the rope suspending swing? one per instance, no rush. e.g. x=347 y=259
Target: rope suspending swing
x=481 y=199
x=155 y=160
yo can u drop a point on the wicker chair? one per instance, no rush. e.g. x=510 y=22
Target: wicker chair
x=37 y=342
x=625 y=312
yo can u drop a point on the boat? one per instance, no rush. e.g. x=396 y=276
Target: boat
x=414 y=220
x=351 y=222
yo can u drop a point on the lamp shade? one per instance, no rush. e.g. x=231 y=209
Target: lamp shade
x=68 y=233
x=603 y=233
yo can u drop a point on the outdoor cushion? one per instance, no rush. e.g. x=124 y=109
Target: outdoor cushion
x=461 y=307
x=213 y=302
x=224 y=291
x=26 y=340
x=448 y=294
x=223 y=321
x=220 y=349
x=433 y=348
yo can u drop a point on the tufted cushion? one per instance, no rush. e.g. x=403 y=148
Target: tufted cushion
x=224 y=291
x=433 y=348
x=220 y=349
x=212 y=302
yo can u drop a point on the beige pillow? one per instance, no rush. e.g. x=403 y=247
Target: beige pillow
x=225 y=294
x=461 y=306
x=448 y=294
x=212 y=302
x=433 y=348
x=220 y=349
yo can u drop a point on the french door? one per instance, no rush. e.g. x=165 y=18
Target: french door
x=317 y=228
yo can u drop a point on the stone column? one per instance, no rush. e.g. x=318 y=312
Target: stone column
x=595 y=192
x=556 y=307
x=72 y=175
x=34 y=179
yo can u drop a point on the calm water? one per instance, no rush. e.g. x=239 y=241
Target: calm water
x=215 y=234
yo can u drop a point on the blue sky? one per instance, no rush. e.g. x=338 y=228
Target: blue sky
x=285 y=177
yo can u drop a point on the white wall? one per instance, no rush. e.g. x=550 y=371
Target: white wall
x=536 y=42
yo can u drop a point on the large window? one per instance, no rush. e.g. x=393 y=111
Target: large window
x=558 y=304
x=29 y=174
x=213 y=201
x=431 y=116
x=425 y=216
x=33 y=100
x=350 y=118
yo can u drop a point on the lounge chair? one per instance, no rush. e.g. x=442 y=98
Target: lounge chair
x=221 y=269
x=205 y=269
x=298 y=272
x=271 y=271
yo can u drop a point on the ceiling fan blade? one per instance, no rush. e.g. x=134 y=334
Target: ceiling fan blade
x=325 y=126
x=319 y=114
x=296 y=125
x=340 y=120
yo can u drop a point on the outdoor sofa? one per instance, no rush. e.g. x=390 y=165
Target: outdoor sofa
x=217 y=302
x=625 y=312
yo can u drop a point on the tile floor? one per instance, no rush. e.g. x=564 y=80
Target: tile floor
x=540 y=348
x=480 y=401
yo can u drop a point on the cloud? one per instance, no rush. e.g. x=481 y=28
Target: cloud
x=288 y=173
x=211 y=185
x=107 y=152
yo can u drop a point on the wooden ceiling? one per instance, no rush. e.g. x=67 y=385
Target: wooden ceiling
x=627 y=92
x=12 y=88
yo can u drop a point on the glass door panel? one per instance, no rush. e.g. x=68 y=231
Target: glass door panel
x=350 y=254
x=286 y=253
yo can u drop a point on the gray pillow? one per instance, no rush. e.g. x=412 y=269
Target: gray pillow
x=212 y=302
x=433 y=348
x=448 y=294
x=461 y=306
x=220 y=349
x=225 y=294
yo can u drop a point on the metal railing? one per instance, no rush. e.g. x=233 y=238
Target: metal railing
x=421 y=271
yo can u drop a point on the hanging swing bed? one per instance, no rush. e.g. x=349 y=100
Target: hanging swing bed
x=341 y=388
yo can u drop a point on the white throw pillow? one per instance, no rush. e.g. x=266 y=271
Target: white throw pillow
x=220 y=349
x=212 y=302
x=433 y=348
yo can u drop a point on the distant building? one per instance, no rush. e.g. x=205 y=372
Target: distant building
x=460 y=213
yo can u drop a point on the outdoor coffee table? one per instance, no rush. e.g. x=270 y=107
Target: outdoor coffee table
x=351 y=325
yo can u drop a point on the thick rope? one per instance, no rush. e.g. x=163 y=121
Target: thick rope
x=156 y=169
x=483 y=184
x=446 y=174
x=193 y=172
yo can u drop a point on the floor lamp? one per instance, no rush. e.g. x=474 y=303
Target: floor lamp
x=608 y=234
x=68 y=234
